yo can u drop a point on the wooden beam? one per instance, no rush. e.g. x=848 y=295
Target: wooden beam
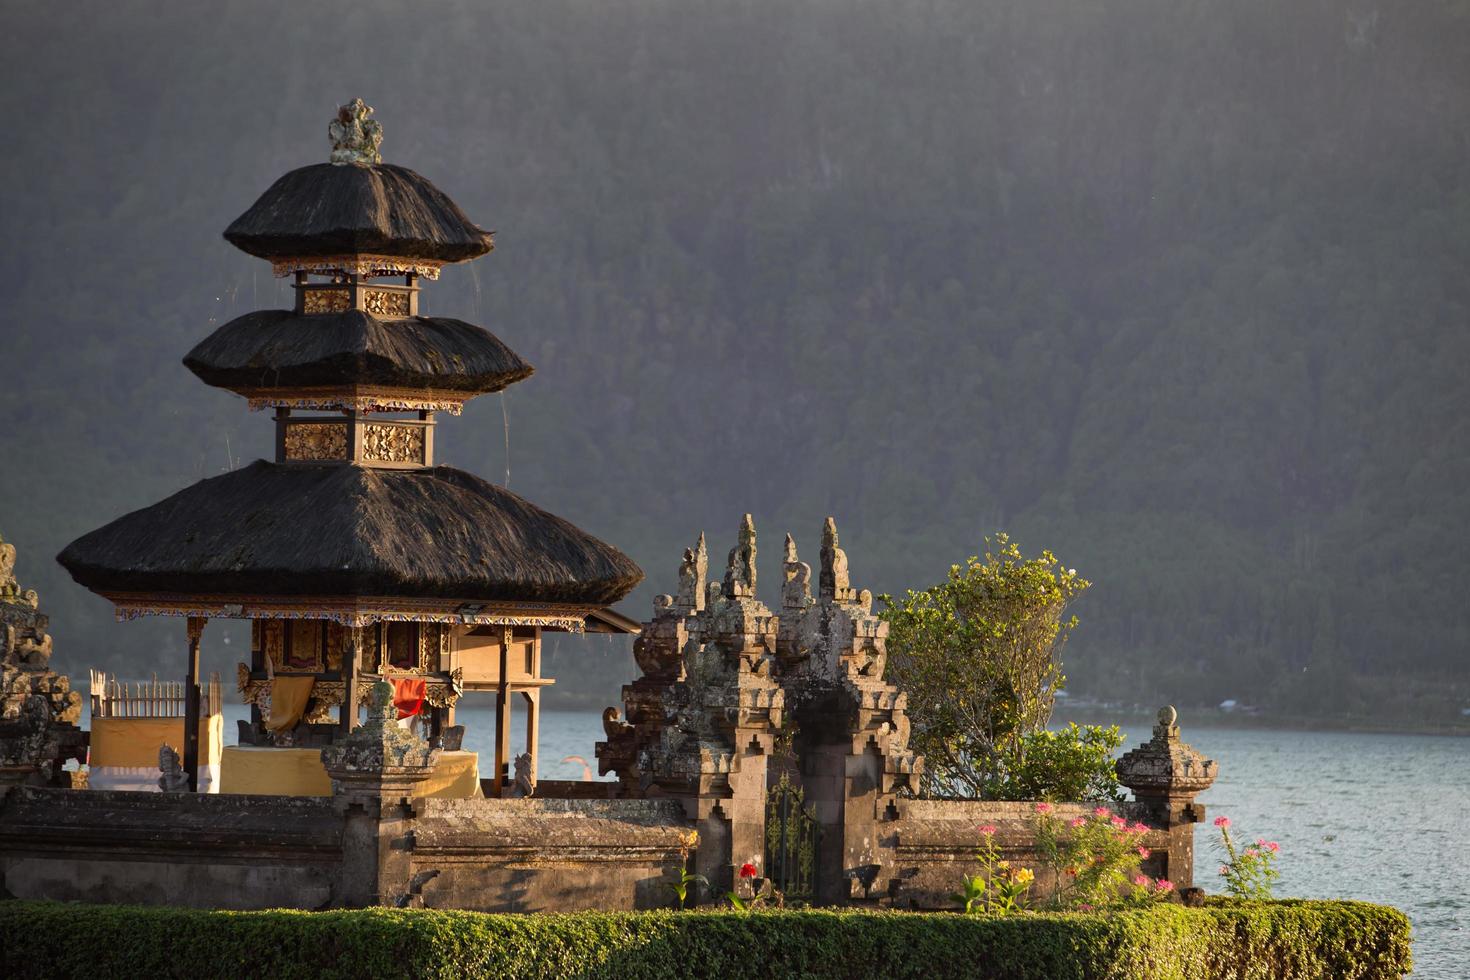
x=191 y=704
x=502 y=713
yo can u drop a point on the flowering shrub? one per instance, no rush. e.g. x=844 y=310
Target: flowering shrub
x=999 y=888
x=1249 y=872
x=1096 y=859
x=682 y=877
x=757 y=889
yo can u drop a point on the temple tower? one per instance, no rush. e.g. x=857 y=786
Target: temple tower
x=355 y=556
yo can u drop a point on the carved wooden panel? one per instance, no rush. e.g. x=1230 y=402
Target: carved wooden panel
x=386 y=443
x=273 y=636
x=304 y=652
x=385 y=302
x=336 y=641
x=316 y=440
x=326 y=300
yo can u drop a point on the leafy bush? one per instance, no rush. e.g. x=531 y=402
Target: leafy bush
x=1073 y=764
x=977 y=656
x=1227 y=940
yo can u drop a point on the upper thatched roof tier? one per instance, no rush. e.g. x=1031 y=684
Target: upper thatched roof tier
x=279 y=349
x=336 y=209
x=303 y=530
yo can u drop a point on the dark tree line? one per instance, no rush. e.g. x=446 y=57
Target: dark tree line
x=1179 y=289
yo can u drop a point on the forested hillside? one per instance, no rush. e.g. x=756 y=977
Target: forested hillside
x=1179 y=289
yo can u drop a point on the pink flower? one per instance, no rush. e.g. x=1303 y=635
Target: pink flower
x=1164 y=885
x=1120 y=823
x=987 y=829
x=1140 y=828
x=1144 y=852
x=1141 y=881
x=1079 y=821
x=1251 y=852
x=1084 y=907
x=1043 y=808
x=1224 y=870
x=1102 y=811
x=1222 y=821
x=1272 y=846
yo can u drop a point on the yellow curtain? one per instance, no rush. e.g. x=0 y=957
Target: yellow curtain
x=288 y=701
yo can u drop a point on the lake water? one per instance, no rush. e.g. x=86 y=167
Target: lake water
x=1382 y=818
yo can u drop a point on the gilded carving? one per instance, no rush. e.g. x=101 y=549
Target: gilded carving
x=326 y=300
x=385 y=302
x=273 y=635
x=393 y=443
x=336 y=640
x=316 y=440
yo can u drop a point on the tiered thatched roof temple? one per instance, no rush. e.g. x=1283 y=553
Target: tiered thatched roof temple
x=353 y=554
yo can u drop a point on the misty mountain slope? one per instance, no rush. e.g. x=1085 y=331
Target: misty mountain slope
x=1178 y=290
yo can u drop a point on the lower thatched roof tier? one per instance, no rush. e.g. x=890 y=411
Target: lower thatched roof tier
x=280 y=349
x=327 y=209
x=309 y=530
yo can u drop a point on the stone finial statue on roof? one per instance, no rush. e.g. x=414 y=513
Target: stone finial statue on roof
x=834 y=585
x=796 y=590
x=172 y=778
x=740 y=568
x=355 y=137
x=692 y=572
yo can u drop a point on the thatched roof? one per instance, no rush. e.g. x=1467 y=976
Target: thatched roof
x=326 y=209
x=293 y=529
x=280 y=349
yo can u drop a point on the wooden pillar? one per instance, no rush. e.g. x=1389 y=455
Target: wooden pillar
x=351 y=666
x=191 y=704
x=533 y=728
x=502 y=712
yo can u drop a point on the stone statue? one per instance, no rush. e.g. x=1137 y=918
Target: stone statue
x=796 y=591
x=835 y=586
x=740 y=567
x=173 y=778
x=692 y=571
x=355 y=137
x=378 y=743
x=525 y=785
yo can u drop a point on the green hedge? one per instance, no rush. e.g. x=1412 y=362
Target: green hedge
x=1269 y=941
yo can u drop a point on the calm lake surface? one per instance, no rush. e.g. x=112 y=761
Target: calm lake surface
x=1382 y=818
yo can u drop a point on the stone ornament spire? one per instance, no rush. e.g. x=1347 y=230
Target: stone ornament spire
x=692 y=572
x=1164 y=771
x=740 y=567
x=835 y=585
x=355 y=136
x=796 y=590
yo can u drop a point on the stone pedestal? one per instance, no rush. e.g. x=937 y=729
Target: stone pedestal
x=1165 y=776
x=375 y=772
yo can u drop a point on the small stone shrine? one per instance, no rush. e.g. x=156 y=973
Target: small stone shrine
x=39 y=712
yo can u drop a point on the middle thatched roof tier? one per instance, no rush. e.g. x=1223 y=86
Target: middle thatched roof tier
x=280 y=350
x=304 y=530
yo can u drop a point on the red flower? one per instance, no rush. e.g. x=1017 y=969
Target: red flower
x=748 y=870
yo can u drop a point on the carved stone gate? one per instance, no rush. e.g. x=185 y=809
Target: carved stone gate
x=792 y=836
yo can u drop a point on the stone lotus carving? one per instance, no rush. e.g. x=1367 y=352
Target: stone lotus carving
x=355 y=136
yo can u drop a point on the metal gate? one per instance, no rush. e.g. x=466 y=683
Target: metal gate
x=792 y=834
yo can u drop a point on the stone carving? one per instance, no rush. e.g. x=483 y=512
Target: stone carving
x=355 y=137
x=173 y=779
x=1165 y=769
x=385 y=443
x=834 y=584
x=39 y=712
x=796 y=590
x=740 y=567
x=378 y=743
x=692 y=572
x=525 y=783
x=316 y=440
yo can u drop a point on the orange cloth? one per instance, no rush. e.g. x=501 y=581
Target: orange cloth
x=289 y=695
x=408 y=696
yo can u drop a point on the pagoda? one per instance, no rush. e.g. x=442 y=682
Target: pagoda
x=354 y=555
